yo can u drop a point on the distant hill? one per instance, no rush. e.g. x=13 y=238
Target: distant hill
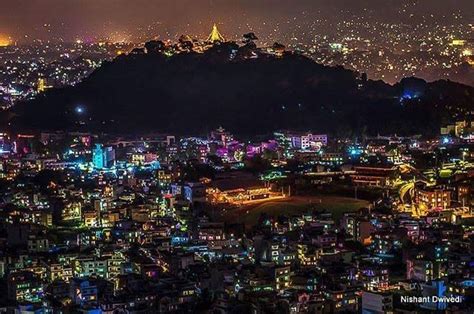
x=245 y=90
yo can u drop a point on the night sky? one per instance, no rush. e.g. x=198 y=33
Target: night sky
x=135 y=20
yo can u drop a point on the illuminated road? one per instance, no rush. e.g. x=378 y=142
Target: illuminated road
x=406 y=191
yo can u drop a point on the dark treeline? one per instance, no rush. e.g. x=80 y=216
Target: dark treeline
x=194 y=93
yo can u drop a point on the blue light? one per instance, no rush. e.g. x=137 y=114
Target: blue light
x=445 y=140
x=409 y=95
x=80 y=109
x=355 y=151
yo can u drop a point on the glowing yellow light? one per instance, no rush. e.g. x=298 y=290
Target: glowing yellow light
x=458 y=42
x=5 y=41
x=215 y=35
x=467 y=52
x=41 y=85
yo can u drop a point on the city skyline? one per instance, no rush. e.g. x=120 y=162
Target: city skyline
x=238 y=156
x=119 y=20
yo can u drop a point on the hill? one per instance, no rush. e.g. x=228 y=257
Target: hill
x=244 y=89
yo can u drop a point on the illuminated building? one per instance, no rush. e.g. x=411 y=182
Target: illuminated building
x=459 y=129
x=37 y=244
x=83 y=291
x=221 y=136
x=103 y=157
x=272 y=252
x=98 y=156
x=114 y=264
x=91 y=218
x=282 y=278
x=311 y=141
x=342 y=299
x=373 y=176
x=375 y=278
x=307 y=255
x=420 y=270
x=72 y=211
x=377 y=303
x=332 y=158
x=24 y=286
x=272 y=175
x=292 y=141
x=213 y=234
x=43 y=218
x=433 y=197
x=239 y=195
x=215 y=36
x=434 y=288
x=164 y=178
x=355 y=152
x=463 y=288
x=194 y=192
x=57 y=271
x=308 y=141
x=359 y=228
x=284 y=142
x=325 y=240
x=140 y=215
x=92 y=267
x=465 y=193
x=5 y=144
x=141 y=159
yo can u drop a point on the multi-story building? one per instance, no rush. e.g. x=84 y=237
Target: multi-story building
x=103 y=157
x=38 y=244
x=433 y=197
x=83 y=291
x=24 y=286
x=377 y=303
x=87 y=267
x=282 y=278
x=373 y=175
x=419 y=270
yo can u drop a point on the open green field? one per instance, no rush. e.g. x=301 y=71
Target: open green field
x=293 y=206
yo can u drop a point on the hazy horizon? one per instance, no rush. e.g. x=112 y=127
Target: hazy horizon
x=27 y=20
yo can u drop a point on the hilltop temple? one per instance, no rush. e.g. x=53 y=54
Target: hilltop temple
x=215 y=35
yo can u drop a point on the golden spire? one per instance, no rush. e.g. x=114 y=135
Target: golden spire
x=215 y=35
x=41 y=85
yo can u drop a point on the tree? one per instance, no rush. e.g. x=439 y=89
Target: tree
x=186 y=42
x=249 y=42
x=249 y=37
x=257 y=164
x=45 y=177
x=278 y=48
x=154 y=46
x=269 y=154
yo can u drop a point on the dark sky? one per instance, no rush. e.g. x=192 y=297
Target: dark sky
x=130 y=19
